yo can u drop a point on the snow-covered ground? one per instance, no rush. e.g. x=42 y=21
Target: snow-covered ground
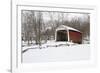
x=52 y=53
x=46 y=45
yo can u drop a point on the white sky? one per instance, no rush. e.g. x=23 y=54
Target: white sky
x=64 y=16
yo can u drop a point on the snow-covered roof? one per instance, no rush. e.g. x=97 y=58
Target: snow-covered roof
x=63 y=27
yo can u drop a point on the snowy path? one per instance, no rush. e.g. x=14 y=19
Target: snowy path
x=61 y=53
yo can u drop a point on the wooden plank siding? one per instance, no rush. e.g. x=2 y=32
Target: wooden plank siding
x=75 y=36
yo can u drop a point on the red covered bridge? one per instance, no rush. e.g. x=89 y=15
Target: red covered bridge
x=65 y=33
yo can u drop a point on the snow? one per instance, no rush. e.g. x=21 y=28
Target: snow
x=48 y=44
x=63 y=27
x=60 y=53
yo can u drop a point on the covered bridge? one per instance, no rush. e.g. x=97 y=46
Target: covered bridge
x=66 y=33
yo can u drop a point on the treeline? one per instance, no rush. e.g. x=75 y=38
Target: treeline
x=40 y=26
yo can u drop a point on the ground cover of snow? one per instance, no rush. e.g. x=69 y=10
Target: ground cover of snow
x=50 y=53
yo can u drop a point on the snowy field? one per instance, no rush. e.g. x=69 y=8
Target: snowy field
x=52 y=53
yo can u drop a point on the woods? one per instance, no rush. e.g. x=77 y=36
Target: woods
x=38 y=27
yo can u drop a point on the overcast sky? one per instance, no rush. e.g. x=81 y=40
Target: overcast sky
x=65 y=16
